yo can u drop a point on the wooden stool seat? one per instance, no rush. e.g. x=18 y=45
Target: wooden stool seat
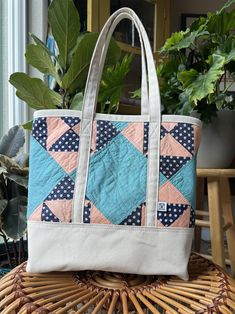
x=219 y=217
x=209 y=290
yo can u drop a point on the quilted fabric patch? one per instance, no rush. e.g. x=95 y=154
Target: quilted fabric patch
x=53 y=154
x=117 y=176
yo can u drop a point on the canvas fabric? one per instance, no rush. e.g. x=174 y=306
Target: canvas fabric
x=113 y=185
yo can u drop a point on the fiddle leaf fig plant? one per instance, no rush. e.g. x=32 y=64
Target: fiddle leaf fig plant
x=68 y=65
x=197 y=66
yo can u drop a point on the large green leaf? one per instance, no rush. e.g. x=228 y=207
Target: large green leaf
x=221 y=23
x=76 y=76
x=187 y=77
x=34 y=92
x=204 y=84
x=12 y=142
x=77 y=102
x=14 y=218
x=112 y=84
x=65 y=24
x=40 y=43
x=181 y=40
x=39 y=58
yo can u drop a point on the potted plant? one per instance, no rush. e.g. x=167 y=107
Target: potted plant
x=197 y=77
x=69 y=65
x=13 y=197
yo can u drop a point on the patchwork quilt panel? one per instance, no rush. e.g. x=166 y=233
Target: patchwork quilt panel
x=117 y=175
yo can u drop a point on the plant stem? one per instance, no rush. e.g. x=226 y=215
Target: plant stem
x=6 y=248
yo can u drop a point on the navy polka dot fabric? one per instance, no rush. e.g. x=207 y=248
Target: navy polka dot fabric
x=63 y=190
x=68 y=142
x=171 y=214
x=106 y=131
x=134 y=219
x=47 y=214
x=39 y=131
x=169 y=165
x=71 y=121
x=146 y=138
x=184 y=134
x=87 y=213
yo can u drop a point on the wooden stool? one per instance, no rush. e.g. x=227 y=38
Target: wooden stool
x=209 y=290
x=219 y=215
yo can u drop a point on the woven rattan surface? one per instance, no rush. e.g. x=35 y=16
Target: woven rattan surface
x=209 y=290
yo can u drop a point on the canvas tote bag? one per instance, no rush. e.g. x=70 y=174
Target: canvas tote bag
x=113 y=192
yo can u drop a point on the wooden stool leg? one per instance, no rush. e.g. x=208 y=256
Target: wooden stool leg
x=199 y=206
x=216 y=224
x=228 y=218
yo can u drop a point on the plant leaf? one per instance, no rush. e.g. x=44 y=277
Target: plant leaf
x=40 y=43
x=8 y=163
x=3 y=205
x=65 y=24
x=39 y=58
x=136 y=94
x=22 y=159
x=187 y=77
x=112 y=83
x=28 y=125
x=226 y=5
x=34 y=92
x=14 y=218
x=77 y=102
x=76 y=76
x=181 y=40
x=12 y=142
x=204 y=84
x=20 y=180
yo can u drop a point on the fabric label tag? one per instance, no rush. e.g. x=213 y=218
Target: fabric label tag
x=162 y=206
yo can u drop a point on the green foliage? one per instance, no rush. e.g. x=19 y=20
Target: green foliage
x=34 y=92
x=68 y=68
x=39 y=58
x=112 y=84
x=65 y=22
x=13 y=184
x=193 y=64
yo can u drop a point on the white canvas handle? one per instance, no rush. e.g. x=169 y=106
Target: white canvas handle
x=152 y=107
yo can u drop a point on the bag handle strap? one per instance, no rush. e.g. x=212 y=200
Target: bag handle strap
x=104 y=43
x=90 y=99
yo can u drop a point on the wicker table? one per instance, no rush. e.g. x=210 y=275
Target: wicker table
x=209 y=290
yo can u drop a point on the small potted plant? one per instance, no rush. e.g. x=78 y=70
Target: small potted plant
x=197 y=77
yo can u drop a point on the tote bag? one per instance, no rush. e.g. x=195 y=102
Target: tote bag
x=113 y=192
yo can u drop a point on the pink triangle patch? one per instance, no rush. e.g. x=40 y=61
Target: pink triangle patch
x=36 y=215
x=76 y=128
x=170 y=147
x=56 y=127
x=168 y=193
x=67 y=160
x=96 y=217
x=169 y=125
x=62 y=209
x=183 y=220
x=135 y=134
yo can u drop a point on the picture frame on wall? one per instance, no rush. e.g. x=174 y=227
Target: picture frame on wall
x=188 y=18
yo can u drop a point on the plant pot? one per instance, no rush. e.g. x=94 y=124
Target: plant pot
x=217 y=148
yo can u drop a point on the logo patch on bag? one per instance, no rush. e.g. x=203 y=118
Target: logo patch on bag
x=162 y=206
